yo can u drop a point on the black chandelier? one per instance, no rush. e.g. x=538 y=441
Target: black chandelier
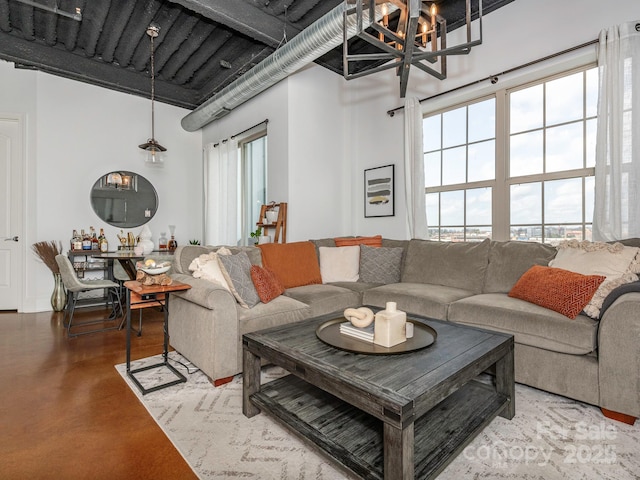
x=407 y=32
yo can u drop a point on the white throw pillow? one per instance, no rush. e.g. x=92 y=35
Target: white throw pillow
x=340 y=264
x=615 y=261
x=206 y=267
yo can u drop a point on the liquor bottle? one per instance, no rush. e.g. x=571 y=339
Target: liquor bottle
x=86 y=240
x=172 y=244
x=74 y=238
x=95 y=244
x=162 y=241
x=102 y=240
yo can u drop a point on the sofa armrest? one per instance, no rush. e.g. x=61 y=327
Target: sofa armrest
x=205 y=293
x=619 y=356
x=203 y=326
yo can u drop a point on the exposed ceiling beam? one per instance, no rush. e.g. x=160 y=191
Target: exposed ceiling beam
x=58 y=62
x=243 y=17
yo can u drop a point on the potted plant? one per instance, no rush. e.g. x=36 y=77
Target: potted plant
x=260 y=239
x=256 y=235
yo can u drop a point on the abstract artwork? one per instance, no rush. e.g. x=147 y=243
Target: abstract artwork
x=379 y=192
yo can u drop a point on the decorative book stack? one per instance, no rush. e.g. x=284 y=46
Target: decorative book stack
x=365 y=333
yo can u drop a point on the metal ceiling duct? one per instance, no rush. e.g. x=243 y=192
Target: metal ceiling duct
x=314 y=41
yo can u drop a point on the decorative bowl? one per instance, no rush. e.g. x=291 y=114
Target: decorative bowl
x=157 y=270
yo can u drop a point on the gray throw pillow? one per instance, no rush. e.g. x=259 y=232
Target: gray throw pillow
x=237 y=271
x=380 y=264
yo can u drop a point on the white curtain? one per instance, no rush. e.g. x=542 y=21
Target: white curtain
x=617 y=192
x=221 y=193
x=414 y=169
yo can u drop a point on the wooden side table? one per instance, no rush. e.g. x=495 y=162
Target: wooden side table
x=141 y=296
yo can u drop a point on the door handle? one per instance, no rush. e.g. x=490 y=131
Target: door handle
x=12 y=239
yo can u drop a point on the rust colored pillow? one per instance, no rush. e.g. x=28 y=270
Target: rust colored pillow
x=556 y=289
x=267 y=284
x=295 y=264
x=369 y=241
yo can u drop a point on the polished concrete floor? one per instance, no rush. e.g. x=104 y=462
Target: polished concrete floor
x=65 y=413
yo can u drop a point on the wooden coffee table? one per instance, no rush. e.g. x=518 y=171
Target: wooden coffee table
x=382 y=416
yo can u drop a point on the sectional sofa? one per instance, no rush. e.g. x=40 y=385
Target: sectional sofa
x=594 y=360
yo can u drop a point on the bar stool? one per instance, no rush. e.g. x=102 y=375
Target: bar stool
x=75 y=286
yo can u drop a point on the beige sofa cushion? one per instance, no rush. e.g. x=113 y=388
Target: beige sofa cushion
x=508 y=261
x=325 y=298
x=528 y=323
x=459 y=265
x=426 y=300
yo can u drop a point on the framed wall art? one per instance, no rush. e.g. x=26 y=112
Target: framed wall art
x=379 y=192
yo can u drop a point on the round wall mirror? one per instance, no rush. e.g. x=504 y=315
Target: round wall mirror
x=124 y=199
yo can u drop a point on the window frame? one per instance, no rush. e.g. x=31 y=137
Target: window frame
x=501 y=185
x=246 y=225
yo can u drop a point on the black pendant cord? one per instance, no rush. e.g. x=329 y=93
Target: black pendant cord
x=153 y=94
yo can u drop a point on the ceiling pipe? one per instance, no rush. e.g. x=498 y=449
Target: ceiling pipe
x=314 y=41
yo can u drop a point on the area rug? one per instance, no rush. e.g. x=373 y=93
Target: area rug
x=551 y=437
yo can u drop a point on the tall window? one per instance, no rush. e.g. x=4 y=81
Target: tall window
x=539 y=186
x=460 y=171
x=252 y=153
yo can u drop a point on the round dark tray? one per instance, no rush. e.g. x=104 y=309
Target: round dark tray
x=329 y=332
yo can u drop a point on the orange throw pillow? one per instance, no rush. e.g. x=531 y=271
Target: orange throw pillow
x=556 y=289
x=295 y=264
x=368 y=241
x=267 y=284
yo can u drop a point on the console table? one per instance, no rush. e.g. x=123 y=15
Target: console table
x=143 y=296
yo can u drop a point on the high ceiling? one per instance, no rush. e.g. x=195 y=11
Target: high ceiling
x=203 y=45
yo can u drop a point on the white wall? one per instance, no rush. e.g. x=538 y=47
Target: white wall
x=77 y=133
x=325 y=184
x=518 y=33
x=323 y=132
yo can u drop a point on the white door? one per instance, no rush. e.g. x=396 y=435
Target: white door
x=11 y=180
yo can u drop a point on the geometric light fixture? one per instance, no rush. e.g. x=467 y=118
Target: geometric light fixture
x=408 y=32
x=152 y=147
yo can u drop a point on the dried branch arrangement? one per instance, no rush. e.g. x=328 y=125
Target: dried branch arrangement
x=47 y=251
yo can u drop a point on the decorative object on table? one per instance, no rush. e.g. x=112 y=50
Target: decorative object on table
x=144 y=240
x=162 y=241
x=152 y=267
x=390 y=326
x=379 y=192
x=172 y=244
x=340 y=334
x=47 y=251
x=359 y=317
x=152 y=273
x=361 y=333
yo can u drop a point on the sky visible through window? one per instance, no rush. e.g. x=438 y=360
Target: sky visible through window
x=547 y=173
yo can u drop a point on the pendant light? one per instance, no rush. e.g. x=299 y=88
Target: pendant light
x=152 y=147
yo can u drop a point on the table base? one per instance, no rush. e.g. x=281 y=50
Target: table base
x=356 y=439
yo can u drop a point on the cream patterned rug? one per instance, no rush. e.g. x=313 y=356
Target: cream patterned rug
x=551 y=437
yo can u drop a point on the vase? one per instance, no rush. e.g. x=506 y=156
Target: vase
x=59 y=296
